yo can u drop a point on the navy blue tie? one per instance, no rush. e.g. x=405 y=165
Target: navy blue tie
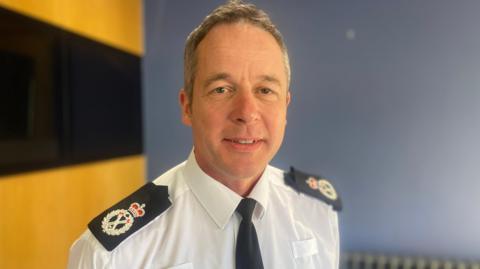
x=248 y=254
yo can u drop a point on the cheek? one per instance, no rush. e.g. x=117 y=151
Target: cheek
x=211 y=121
x=208 y=123
x=276 y=123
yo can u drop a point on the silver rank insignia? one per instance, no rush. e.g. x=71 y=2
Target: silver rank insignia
x=120 y=221
x=314 y=186
x=323 y=186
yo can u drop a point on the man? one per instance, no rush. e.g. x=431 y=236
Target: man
x=225 y=207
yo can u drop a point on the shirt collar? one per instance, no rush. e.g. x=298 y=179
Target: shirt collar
x=260 y=194
x=218 y=200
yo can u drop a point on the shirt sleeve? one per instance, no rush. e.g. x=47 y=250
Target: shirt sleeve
x=87 y=252
x=337 y=239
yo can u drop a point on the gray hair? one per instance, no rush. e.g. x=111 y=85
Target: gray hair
x=231 y=12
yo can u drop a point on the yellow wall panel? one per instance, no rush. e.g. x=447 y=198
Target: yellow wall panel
x=117 y=23
x=43 y=212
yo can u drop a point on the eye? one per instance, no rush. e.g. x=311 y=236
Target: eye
x=265 y=91
x=220 y=90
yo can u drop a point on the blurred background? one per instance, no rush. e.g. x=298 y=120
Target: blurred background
x=385 y=103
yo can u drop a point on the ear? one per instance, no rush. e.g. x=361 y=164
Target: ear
x=185 y=107
x=289 y=98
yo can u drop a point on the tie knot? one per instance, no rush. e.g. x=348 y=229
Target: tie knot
x=245 y=208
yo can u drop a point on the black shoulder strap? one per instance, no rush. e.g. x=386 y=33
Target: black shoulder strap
x=132 y=213
x=315 y=186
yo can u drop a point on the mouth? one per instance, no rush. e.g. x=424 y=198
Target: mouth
x=244 y=144
x=243 y=141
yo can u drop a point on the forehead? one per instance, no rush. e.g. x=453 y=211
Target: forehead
x=232 y=46
x=231 y=33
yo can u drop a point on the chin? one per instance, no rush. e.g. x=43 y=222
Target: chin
x=246 y=171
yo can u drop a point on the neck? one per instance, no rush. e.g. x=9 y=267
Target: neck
x=240 y=184
x=242 y=187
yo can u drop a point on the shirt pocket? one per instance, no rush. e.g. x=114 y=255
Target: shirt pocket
x=305 y=253
x=304 y=248
x=187 y=265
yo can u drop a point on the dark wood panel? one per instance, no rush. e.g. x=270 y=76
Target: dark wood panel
x=64 y=98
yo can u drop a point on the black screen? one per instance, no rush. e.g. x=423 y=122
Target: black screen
x=64 y=98
x=16 y=80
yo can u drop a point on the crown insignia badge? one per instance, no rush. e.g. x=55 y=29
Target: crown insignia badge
x=323 y=186
x=137 y=210
x=120 y=221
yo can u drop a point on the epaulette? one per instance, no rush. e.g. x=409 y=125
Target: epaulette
x=129 y=215
x=315 y=186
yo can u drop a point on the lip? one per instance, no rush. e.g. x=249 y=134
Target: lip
x=244 y=144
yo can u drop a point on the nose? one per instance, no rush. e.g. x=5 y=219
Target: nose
x=245 y=108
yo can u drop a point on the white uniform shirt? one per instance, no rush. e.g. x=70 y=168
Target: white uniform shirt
x=199 y=229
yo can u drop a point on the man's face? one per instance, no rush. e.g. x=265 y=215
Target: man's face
x=240 y=99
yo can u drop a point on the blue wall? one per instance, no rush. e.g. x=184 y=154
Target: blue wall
x=386 y=102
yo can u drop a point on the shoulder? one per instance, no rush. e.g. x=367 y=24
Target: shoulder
x=125 y=218
x=87 y=252
x=123 y=221
x=312 y=185
x=120 y=221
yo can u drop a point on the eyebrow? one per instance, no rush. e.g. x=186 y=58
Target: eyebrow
x=226 y=76
x=271 y=79
x=216 y=77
